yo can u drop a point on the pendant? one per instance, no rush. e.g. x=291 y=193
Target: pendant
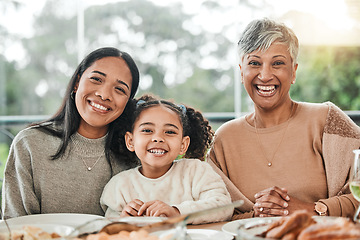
x=269 y=164
x=89 y=168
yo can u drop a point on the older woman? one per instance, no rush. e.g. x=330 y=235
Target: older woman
x=286 y=155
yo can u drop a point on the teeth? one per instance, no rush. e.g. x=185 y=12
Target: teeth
x=266 y=88
x=98 y=106
x=157 y=151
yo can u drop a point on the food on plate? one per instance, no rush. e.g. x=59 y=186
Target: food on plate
x=125 y=235
x=301 y=226
x=340 y=228
x=289 y=227
x=28 y=233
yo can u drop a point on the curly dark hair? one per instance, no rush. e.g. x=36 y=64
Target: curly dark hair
x=193 y=122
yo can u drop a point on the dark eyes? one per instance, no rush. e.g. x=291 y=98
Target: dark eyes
x=256 y=63
x=99 y=80
x=146 y=130
x=170 y=132
x=278 y=63
x=96 y=79
x=120 y=89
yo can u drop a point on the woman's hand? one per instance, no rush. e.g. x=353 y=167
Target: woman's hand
x=296 y=204
x=132 y=208
x=275 y=201
x=271 y=202
x=158 y=208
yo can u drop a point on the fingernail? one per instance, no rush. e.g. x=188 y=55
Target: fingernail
x=286 y=212
x=286 y=204
x=256 y=204
x=255 y=196
x=287 y=198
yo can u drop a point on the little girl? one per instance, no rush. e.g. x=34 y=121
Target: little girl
x=163 y=186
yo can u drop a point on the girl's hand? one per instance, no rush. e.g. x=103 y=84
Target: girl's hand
x=132 y=208
x=271 y=202
x=158 y=208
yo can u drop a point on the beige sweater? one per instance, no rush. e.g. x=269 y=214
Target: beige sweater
x=313 y=160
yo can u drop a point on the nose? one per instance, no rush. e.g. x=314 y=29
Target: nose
x=104 y=93
x=265 y=73
x=157 y=138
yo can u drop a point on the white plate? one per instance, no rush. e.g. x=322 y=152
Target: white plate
x=49 y=228
x=66 y=219
x=198 y=234
x=233 y=227
x=139 y=221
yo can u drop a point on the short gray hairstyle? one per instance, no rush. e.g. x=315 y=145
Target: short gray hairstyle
x=260 y=34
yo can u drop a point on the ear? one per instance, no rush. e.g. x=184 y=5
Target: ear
x=129 y=141
x=184 y=145
x=294 y=74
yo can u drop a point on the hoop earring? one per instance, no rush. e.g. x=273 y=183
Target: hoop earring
x=72 y=95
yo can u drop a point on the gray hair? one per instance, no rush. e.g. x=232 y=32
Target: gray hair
x=260 y=34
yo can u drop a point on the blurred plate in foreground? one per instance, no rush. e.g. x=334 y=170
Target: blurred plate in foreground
x=49 y=228
x=197 y=234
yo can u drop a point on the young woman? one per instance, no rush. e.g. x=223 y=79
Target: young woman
x=162 y=185
x=61 y=165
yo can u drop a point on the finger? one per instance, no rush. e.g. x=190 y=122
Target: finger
x=135 y=204
x=271 y=201
x=268 y=212
x=144 y=208
x=129 y=211
x=138 y=201
x=282 y=192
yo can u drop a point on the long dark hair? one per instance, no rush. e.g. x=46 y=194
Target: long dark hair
x=67 y=119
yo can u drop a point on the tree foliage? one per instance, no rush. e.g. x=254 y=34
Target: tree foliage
x=177 y=58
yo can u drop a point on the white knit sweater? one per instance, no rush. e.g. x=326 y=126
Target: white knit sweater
x=190 y=185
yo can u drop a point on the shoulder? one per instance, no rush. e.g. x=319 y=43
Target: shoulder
x=123 y=177
x=33 y=132
x=191 y=164
x=314 y=107
x=230 y=126
x=339 y=123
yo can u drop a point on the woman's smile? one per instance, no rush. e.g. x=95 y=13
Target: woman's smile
x=99 y=106
x=266 y=90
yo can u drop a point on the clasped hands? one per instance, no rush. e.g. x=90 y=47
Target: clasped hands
x=154 y=208
x=275 y=201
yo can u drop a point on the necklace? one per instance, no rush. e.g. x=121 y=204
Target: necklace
x=259 y=140
x=89 y=168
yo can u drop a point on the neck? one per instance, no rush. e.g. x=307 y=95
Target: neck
x=88 y=131
x=154 y=172
x=265 y=119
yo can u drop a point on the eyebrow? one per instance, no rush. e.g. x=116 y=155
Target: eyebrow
x=119 y=81
x=152 y=124
x=256 y=56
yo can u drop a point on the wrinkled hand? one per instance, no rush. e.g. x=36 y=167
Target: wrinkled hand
x=275 y=201
x=271 y=202
x=158 y=208
x=296 y=204
x=132 y=208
